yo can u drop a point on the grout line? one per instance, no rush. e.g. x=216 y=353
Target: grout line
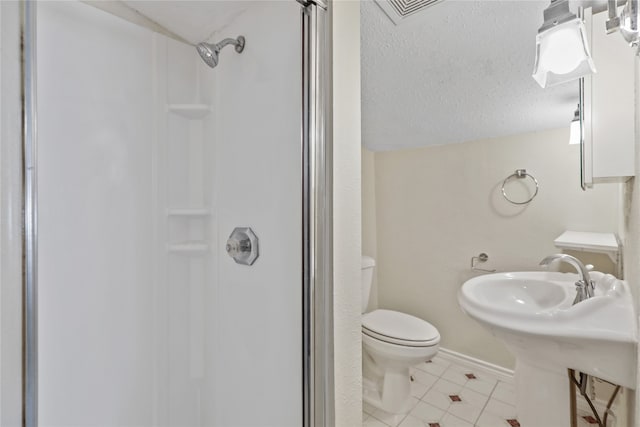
x=487 y=402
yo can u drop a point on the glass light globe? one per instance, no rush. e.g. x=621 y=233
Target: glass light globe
x=562 y=54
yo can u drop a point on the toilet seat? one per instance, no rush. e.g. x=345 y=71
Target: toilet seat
x=399 y=328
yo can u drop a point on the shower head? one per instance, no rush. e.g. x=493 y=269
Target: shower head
x=210 y=53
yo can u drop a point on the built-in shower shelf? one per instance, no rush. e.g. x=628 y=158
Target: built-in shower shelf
x=190 y=111
x=188 y=212
x=188 y=248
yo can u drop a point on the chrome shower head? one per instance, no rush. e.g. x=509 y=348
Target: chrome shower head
x=210 y=53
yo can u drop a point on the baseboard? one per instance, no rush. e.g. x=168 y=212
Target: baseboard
x=503 y=374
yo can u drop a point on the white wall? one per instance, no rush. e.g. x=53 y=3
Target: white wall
x=95 y=188
x=10 y=217
x=347 y=212
x=258 y=181
x=134 y=332
x=437 y=207
x=369 y=218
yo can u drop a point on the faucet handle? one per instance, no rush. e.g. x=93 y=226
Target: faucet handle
x=582 y=291
x=589 y=267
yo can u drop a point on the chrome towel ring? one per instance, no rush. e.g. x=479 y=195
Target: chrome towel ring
x=519 y=174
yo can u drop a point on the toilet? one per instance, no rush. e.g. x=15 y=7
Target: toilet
x=392 y=342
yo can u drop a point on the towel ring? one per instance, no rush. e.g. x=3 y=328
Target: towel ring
x=520 y=174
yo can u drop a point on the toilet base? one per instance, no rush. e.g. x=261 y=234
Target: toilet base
x=389 y=390
x=396 y=403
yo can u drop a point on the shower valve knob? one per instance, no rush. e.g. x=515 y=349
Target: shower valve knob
x=242 y=246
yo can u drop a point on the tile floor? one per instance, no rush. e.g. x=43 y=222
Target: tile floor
x=446 y=394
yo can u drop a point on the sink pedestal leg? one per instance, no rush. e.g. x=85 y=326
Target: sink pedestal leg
x=543 y=394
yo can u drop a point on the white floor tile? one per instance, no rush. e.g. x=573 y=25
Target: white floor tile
x=473 y=397
x=505 y=392
x=372 y=422
x=500 y=409
x=425 y=378
x=465 y=411
x=455 y=374
x=484 y=384
x=485 y=401
x=436 y=367
x=437 y=399
x=413 y=401
x=446 y=387
x=412 y=422
x=418 y=389
x=488 y=419
x=440 y=360
x=438 y=395
x=422 y=366
x=427 y=413
x=391 y=420
x=433 y=369
x=452 y=421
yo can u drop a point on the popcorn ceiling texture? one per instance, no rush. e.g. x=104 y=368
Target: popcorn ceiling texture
x=459 y=71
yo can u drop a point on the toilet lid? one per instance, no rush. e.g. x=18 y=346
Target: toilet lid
x=399 y=328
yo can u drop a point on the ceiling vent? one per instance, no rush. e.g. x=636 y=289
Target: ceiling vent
x=399 y=10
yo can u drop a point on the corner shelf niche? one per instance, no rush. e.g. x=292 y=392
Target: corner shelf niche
x=190 y=111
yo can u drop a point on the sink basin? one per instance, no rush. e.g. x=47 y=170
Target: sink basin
x=533 y=313
x=519 y=295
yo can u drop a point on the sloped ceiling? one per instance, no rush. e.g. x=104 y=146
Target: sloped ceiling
x=195 y=21
x=459 y=71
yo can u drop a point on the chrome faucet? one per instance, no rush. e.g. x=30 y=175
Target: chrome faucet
x=584 y=286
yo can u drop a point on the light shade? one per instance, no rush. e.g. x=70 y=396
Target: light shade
x=562 y=51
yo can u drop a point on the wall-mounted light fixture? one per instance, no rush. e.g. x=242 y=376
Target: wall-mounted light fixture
x=627 y=23
x=562 y=51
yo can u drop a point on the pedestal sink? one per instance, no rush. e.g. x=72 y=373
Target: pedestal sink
x=533 y=313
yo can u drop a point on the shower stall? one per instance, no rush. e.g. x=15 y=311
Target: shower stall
x=177 y=261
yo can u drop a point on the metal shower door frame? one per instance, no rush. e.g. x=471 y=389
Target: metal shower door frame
x=317 y=249
x=30 y=217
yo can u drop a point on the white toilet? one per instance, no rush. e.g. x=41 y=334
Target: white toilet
x=392 y=342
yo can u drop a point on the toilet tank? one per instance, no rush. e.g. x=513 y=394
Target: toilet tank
x=368 y=264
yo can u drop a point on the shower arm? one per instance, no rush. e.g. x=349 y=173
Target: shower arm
x=239 y=43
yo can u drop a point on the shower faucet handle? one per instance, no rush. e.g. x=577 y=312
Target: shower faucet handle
x=242 y=246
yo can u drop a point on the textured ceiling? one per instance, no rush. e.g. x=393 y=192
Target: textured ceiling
x=460 y=71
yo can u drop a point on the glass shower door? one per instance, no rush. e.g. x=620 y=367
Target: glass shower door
x=147 y=161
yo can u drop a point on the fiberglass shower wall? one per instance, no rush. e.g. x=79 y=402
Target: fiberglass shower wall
x=148 y=159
